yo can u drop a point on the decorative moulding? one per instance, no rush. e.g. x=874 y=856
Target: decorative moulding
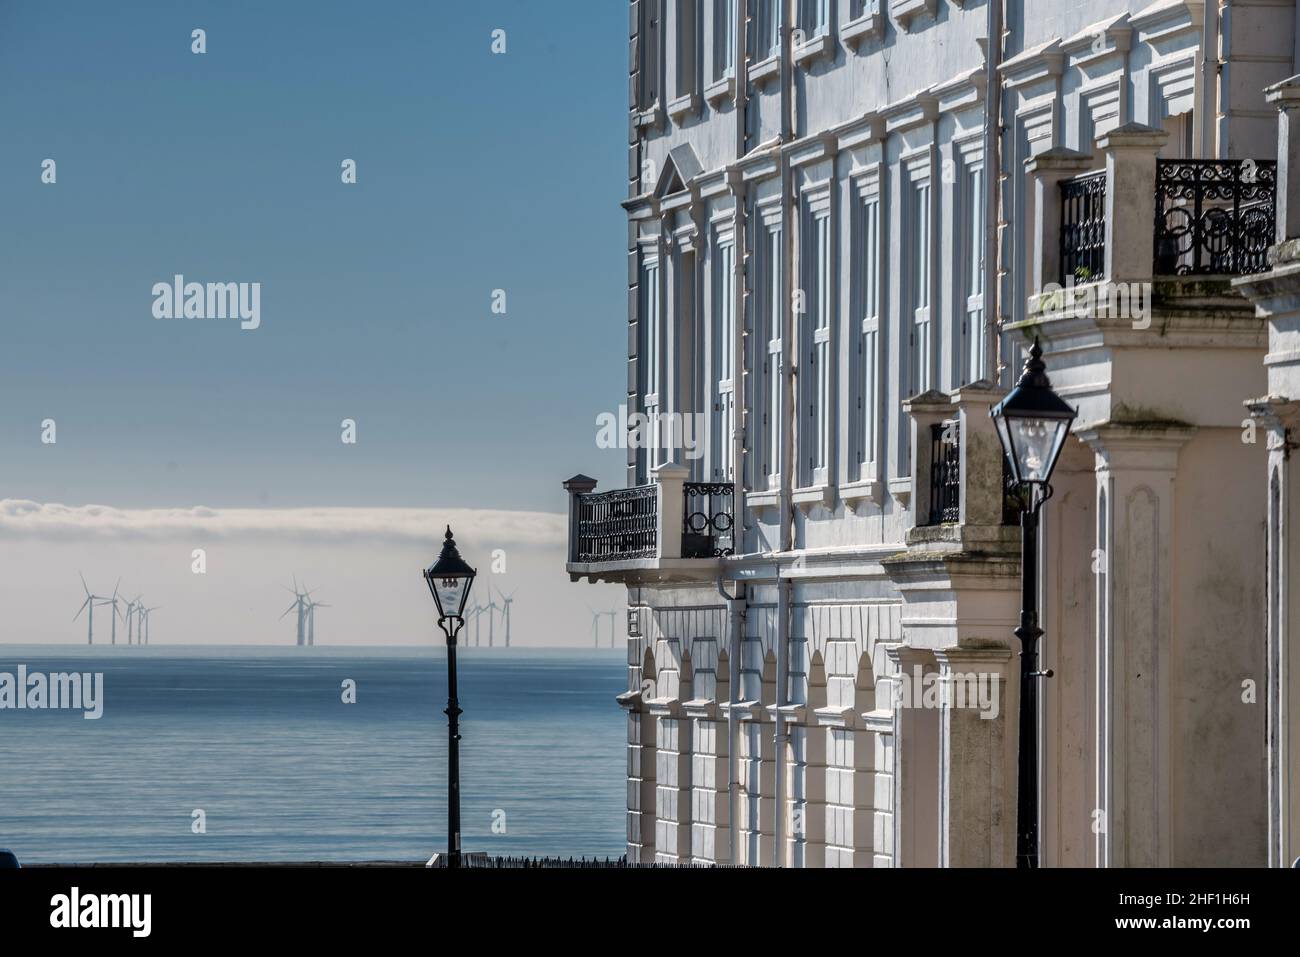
x=764 y=72
x=869 y=26
x=720 y=91
x=906 y=11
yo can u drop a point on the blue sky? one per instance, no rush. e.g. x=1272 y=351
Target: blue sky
x=475 y=172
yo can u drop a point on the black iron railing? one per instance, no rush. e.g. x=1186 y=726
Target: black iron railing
x=1214 y=216
x=945 y=473
x=1083 y=228
x=708 y=519
x=618 y=525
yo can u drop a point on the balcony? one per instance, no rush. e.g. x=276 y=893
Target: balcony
x=1214 y=217
x=1185 y=225
x=1083 y=228
x=670 y=529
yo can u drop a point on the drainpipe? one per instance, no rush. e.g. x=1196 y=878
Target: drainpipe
x=993 y=188
x=1204 y=116
x=790 y=352
x=735 y=635
x=790 y=277
x=782 y=733
x=740 y=260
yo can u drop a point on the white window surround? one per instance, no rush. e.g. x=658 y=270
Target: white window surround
x=766 y=300
x=686 y=45
x=866 y=265
x=722 y=332
x=969 y=347
x=651 y=337
x=816 y=337
x=723 y=42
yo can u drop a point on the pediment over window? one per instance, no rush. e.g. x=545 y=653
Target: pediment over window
x=681 y=167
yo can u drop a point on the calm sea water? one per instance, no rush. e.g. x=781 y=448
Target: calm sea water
x=261 y=741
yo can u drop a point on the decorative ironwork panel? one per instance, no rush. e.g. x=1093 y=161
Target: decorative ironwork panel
x=618 y=525
x=1214 y=216
x=1083 y=228
x=708 y=520
x=945 y=474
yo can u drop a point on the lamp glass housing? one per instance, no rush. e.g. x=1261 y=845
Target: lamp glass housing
x=450 y=579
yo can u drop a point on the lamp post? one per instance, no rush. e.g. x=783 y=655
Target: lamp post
x=1032 y=423
x=449 y=580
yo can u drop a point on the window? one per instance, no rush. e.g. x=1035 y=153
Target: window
x=813 y=313
x=768 y=29
x=860 y=8
x=651 y=349
x=724 y=28
x=686 y=48
x=651 y=37
x=723 y=327
x=969 y=274
x=919 y=276
x=767 y=301
x=865 y=293
x=814 y=17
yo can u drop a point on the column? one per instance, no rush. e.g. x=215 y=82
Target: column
x=916 y=759
x=1136 y=468
x=1130 y=152
x=977 y=781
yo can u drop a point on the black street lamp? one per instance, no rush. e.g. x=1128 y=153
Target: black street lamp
x=449 y=580
x=1032 y=423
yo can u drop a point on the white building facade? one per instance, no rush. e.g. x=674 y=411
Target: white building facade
x=846 y=220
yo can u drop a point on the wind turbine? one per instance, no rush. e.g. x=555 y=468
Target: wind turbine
x=299 y=603
x=595 y=626
x=491 y=608
x=144 y=624
x=477 y=612
x=505 y=601
x=612 y=615
x=132 y=611
x=88 y=606
x=311 y=620
x=116 y=612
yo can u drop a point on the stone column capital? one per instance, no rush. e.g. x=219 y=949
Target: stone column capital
x=1142 y=446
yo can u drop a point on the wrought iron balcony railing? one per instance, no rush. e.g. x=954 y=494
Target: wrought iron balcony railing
x=642 y=523
x=618 y=525
x=708 y=519
x=1214 y=216
x=945 y=473
x=1083 y=227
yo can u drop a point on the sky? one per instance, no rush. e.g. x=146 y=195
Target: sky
x=475 y=172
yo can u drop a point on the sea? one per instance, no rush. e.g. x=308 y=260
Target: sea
x=253 y=754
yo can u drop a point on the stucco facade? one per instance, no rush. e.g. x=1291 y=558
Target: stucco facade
x=834 y=265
